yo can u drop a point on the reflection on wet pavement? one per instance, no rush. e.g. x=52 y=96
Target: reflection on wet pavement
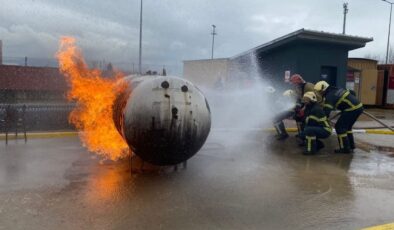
x=250 y=184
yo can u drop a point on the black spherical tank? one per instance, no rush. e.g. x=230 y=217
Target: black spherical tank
x=165 y=120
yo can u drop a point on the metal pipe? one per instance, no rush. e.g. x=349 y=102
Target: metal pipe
x=140 y=50
x=388 y=37
x=345 y=10
x=213 y=39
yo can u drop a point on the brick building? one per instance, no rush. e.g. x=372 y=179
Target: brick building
x=25 y=84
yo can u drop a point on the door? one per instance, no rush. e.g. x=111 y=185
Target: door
x=380 y=88
x=329 y=74
x=385 y=86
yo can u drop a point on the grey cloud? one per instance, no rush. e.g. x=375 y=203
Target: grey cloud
x=175 y=30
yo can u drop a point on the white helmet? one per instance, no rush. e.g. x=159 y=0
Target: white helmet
x=309 y=96
x=270 y=89
x=321 y=86
x=289 y=93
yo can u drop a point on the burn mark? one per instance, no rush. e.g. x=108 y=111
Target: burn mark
x=118 y=109
x=174 y=112
x=153 y=123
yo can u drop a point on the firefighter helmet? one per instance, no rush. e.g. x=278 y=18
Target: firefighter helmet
x=296 y=79
x=309 y=96
x=270 y=89
x=321 y=86
x=289 y=93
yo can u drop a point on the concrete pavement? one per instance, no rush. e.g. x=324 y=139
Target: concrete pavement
x=239 y=180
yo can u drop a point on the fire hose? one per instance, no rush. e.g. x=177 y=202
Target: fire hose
x=390 y=130
x=370 y=116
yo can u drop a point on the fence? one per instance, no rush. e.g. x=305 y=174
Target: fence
x=37 y=117
x=173 y=68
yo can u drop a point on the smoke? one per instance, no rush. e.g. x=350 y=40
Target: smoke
x=246 y=102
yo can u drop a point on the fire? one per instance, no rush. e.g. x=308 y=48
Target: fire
x=94 y=96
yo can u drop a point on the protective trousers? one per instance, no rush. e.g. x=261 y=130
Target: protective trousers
x=300 y=126
x=344 y=128
x=280 y=126
x=312 y=133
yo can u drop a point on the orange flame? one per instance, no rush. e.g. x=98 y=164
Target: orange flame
x=94 y=96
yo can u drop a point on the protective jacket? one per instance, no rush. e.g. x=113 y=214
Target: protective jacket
x=315 y=117
x=302 y=88
x=340 y=99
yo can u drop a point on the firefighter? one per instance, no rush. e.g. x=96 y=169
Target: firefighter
x=300 y=88
x=350 y=107
x=316 y=124
x=287 y=114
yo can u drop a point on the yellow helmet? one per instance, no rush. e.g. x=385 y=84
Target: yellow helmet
x=289 y=93
x=309 y=96
x=321 y=86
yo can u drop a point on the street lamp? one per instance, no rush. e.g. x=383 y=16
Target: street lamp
x=345 y=10
x=388 y=38
x=140 y=50
x=213 y=38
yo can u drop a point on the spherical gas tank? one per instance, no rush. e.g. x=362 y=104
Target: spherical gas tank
x=165 y=120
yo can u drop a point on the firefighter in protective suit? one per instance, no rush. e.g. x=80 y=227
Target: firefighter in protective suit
x=350 y=107
x=293 y=112
x=300 y=88
x=316 y=124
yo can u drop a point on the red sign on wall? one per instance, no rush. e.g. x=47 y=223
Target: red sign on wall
x=349 y=76
x=391 y=82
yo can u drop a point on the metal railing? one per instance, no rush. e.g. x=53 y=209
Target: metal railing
x=36 y=117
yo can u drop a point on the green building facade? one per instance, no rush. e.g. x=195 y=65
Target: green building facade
x=314 y=55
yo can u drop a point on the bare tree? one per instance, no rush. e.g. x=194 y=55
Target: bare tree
x=376 y=57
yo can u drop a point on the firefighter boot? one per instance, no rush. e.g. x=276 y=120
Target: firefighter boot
x=351 y=140
x=301 y=141
x=311 y=146
x=300 y=128
x=281 y=130
x=319 y=145
x=343 y=144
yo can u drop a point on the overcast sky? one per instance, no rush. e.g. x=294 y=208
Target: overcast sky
x=176 y=30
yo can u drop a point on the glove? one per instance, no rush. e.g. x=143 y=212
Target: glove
x=299 y=114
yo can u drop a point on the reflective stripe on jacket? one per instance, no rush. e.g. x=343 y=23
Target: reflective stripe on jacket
x=315 y=116
x=340 y=99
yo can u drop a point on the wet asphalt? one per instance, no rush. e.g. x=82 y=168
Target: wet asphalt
x=236 y=181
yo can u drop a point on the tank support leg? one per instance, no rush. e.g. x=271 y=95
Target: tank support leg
x=131 y=161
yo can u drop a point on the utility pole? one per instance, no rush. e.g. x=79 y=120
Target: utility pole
x=345 y=10
x=140 y=51
x=388 y=37
x=1 y=52
x=213 y=38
